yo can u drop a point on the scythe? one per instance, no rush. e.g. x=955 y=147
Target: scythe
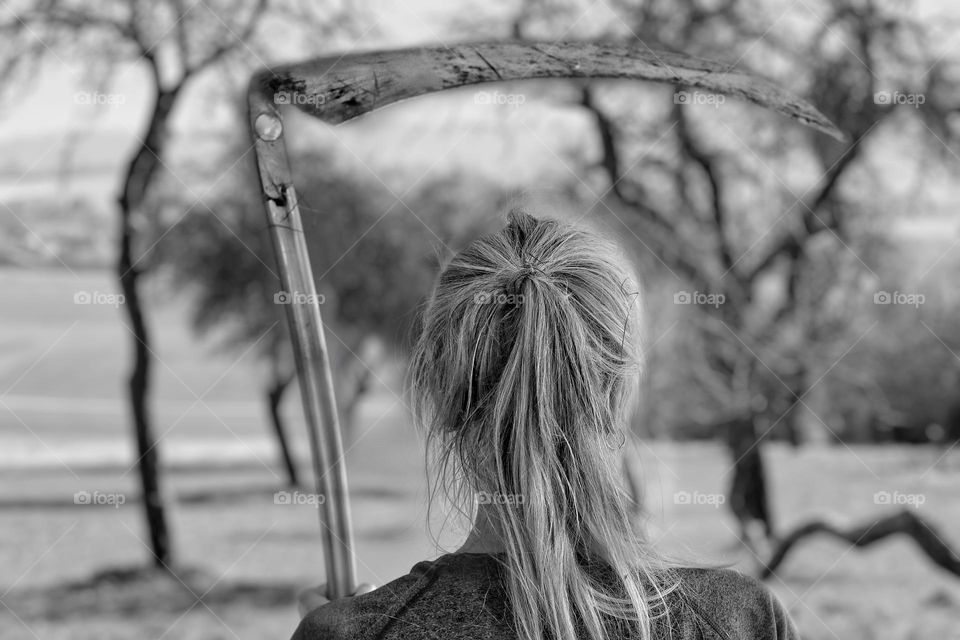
x=338 y=88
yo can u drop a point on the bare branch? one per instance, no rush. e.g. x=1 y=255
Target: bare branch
x=183 y=42
x=231 y=43
x=73 y=19
x=791 y=244
x=905 y=522
x=610 y=162
x=708 y=164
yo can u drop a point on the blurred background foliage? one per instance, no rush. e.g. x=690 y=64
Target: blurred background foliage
x=795 y=230
x=796 y=288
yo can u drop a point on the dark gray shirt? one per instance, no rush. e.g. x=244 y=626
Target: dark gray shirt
x=461 y=596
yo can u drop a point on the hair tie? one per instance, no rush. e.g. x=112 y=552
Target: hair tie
x=516 y=282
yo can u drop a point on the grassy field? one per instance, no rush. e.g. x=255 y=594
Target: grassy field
x=70 y=571
x=77 y=571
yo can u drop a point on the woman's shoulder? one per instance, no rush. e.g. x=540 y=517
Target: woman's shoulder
x=722 y=604
x=355 y=617
x=731 y=605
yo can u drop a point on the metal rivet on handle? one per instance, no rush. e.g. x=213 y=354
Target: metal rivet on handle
x=268 y=127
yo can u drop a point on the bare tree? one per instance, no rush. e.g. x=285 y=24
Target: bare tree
x=676 y=184
x=177 y=42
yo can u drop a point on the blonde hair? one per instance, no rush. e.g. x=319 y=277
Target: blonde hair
x=524 y=376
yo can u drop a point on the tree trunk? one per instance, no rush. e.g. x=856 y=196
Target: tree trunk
x=138 y=386
x=748 y=489
x=140 y=172
x=361 y=379
x=278 y=385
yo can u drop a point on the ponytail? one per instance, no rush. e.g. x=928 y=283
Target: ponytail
x=524 y=376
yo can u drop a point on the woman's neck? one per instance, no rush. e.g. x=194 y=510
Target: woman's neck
x=484 y=537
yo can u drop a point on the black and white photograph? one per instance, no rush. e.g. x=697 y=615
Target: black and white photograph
x=521 y=319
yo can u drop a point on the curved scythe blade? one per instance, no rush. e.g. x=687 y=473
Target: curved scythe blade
x=337 y=89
